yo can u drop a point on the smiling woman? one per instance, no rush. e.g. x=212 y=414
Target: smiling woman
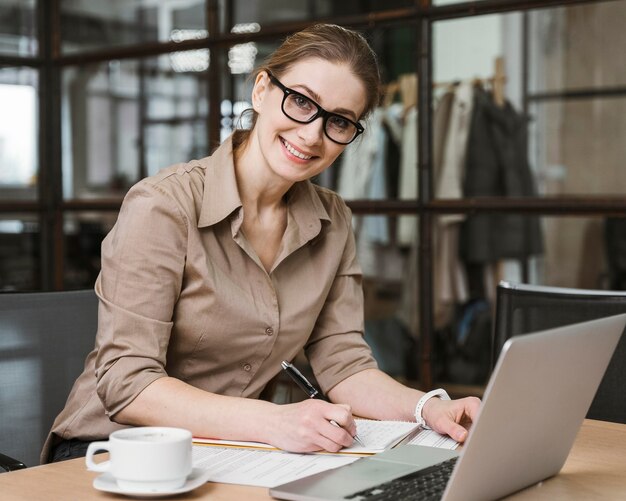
x=219 y=269
x=304 y=141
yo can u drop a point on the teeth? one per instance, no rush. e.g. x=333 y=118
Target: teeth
x=295 y=152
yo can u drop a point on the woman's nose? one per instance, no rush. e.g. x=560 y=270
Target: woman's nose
x=312 y=133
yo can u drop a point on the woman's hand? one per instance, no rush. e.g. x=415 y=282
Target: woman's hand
x=451 y=417
x=306 y=426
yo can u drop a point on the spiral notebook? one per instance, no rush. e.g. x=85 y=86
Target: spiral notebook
x=377 y=436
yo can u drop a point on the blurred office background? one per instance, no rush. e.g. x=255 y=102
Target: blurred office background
x=497 y=151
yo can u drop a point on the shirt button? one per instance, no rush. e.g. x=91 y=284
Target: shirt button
x=269 y=331
x=247 y=367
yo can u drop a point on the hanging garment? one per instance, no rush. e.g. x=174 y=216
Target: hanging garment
x=497 y=165
x=450 y=132
x=363 y=176
x=407 y=189
x=450 y=164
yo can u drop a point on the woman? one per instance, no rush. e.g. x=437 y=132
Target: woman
x=219 y=269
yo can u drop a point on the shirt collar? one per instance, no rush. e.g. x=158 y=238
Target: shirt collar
x=221 y=195
x=306 y=208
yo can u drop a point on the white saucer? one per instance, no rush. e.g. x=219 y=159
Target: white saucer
x=106 y=482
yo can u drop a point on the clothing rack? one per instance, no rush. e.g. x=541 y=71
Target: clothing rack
x=406 y=86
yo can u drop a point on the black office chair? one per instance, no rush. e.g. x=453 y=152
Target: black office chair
x=615 y=243
x=44 y=339
x=523 y=308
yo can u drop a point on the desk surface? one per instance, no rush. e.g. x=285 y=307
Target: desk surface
x=595 y=469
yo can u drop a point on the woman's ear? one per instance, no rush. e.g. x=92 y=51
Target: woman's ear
x=261 y=86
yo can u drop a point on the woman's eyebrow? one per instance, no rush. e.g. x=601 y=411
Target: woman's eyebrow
x=317 y=98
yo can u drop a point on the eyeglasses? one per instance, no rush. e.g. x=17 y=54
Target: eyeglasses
x=304 y=110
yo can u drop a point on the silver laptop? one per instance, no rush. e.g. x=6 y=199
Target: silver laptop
x=533 y=407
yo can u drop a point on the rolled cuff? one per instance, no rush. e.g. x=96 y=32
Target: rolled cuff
x=339 y=357
x=131 y=355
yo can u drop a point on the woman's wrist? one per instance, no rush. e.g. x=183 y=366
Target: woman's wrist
x=420 y=409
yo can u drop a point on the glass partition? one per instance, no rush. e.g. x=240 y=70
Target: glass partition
x=493 y=140
x=237 y=67
x=84 y=232
x=93 y=24
x=19 y=99
x=576 y=146
x=176 y=108
x=18 y=28
x=19 y=253
x=577 y=47
x=123 y=120
x=387 y=254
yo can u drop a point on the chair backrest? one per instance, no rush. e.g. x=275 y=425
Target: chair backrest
x=523 y=308
x=44 y=340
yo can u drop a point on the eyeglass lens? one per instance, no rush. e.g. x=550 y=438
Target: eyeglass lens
x=300 y=108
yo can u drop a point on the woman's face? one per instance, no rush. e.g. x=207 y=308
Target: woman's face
x=296 y=151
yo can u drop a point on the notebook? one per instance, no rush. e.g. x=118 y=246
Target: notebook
x=533 y=407
x=376 y=436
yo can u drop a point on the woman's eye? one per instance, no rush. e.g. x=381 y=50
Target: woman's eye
x=339 y=123
x=302 y=102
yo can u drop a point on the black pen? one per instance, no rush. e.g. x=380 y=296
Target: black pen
x=309 y=389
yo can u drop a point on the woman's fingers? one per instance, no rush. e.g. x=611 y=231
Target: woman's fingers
x=450 y=416
x=307 y=426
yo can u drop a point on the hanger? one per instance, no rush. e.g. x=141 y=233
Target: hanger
x=408 y=90
x=390 y=92
x=498 y=81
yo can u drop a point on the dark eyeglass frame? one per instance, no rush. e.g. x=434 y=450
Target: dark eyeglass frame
x=321 y=112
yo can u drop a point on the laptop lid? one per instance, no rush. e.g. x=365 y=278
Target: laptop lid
x=533 y=407
x=534 y=404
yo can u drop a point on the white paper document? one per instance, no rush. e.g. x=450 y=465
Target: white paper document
x=263 y=468
x=431 y=438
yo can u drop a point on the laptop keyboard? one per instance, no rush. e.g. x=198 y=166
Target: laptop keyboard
x=427 y=484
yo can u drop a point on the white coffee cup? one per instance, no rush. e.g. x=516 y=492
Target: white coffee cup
x=145 y=458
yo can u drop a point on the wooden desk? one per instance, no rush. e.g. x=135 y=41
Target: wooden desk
x=595 y=469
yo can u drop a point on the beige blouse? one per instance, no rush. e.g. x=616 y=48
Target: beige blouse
x=182 y=293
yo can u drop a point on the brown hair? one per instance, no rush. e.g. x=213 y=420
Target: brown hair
x=329 y=42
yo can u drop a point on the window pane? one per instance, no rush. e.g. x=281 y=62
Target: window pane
x=477 y=92
x=577 y=146
x=237 y=65
x=579 y=46
x=106 y=138
x=390 y=291
x=18 y=30
x=18 y=135
x=482 y=145
x=93 y=24
x=19 y=253
x=175 y=128
x=253 y=15
x=84 y=232
x=168 y=144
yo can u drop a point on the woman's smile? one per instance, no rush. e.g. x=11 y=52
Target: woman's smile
x=293 y=151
